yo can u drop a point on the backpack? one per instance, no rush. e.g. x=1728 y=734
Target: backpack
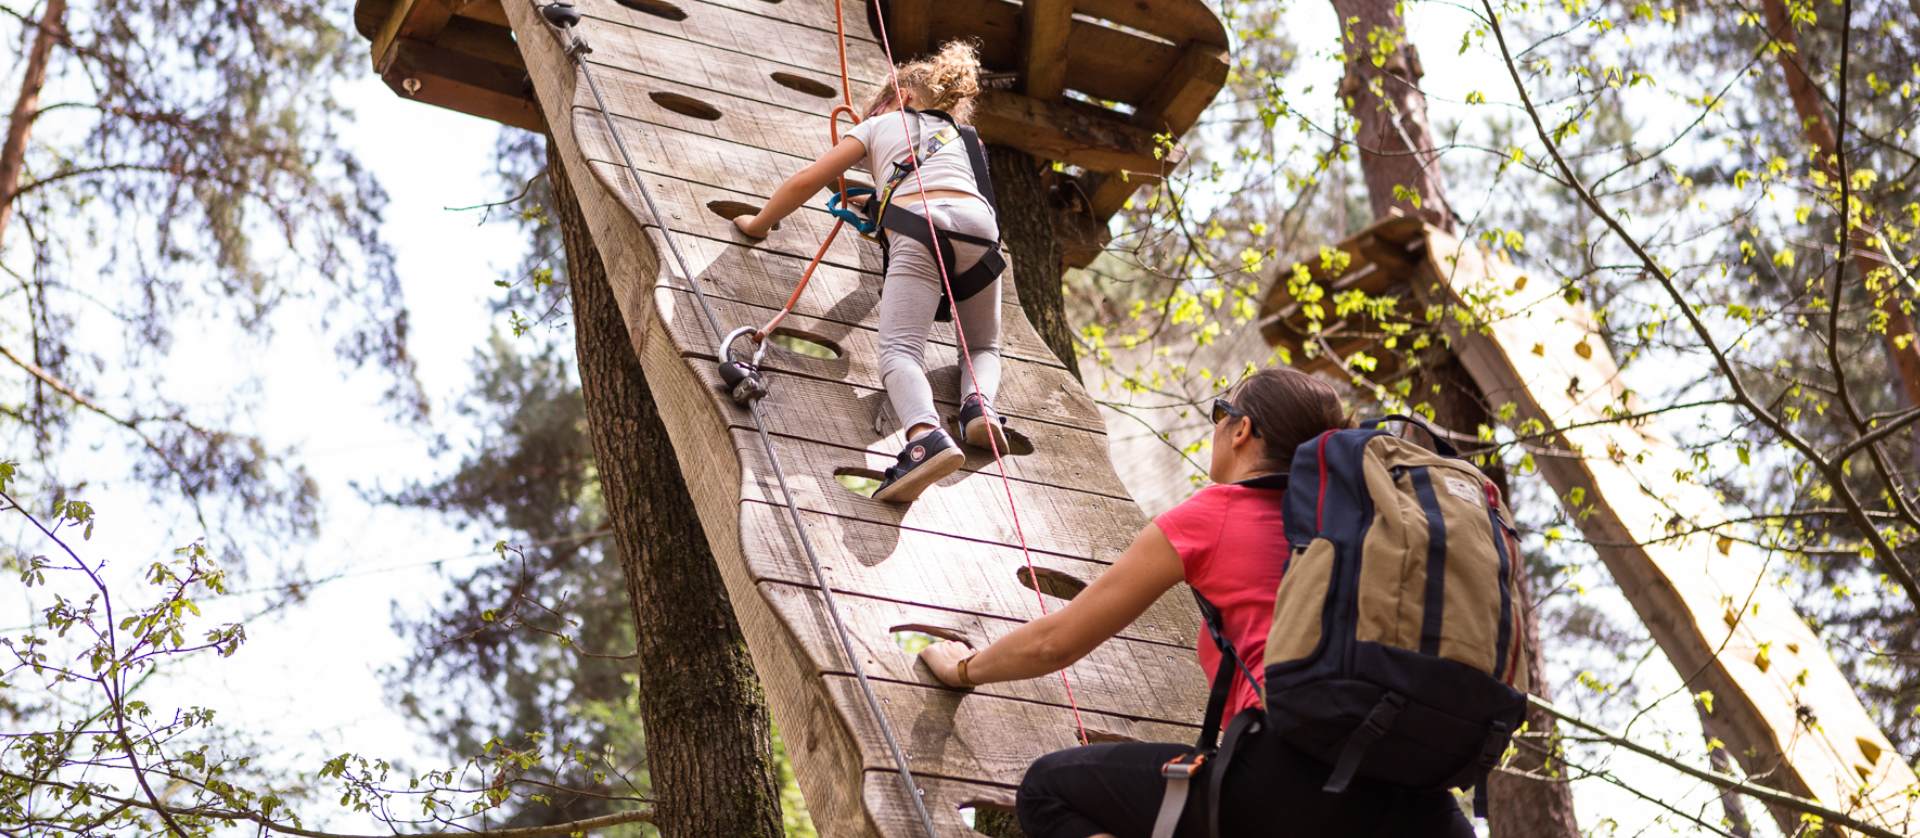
x=880 y=214
x=1395 y=650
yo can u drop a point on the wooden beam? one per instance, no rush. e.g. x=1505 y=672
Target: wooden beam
x=910 y=26
x=1073 y=133
x=418 y=19
x=1044 y=26
x=1178 y=21
x=1173 y=106
x=485 y=11
x=441 y=76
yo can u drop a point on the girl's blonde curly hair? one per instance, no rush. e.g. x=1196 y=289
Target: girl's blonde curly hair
x=947 y=80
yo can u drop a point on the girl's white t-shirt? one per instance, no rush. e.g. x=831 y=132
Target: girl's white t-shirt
x=887 y=141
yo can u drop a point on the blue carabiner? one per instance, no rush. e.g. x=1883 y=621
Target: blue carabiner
x=836 y=204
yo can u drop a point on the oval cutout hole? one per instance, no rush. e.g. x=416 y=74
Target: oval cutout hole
x=657 y=8
x=1096 y=736
x=913 y=637
x=805 y=344
x=1051 y=582
x=989 y=817
x=860 y=481
x=731 y=210
x=685 y=105
x=802 y=84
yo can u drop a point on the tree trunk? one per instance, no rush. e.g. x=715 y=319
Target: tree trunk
x=1402 y=171
x=1026 y=228
x=26 y=108
x=1396 y=146
x=709 y=751
x=1820 y=134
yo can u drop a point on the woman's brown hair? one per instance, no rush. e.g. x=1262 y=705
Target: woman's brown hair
x=1289 y=407
x=947 y=80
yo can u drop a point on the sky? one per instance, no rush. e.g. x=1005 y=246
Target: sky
x=307 y=679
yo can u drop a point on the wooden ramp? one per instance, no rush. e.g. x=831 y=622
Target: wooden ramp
x=717 y=100
x=1781 y=704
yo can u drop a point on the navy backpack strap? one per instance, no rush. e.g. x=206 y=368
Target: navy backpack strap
x=1223 y=676
x=1378 y=722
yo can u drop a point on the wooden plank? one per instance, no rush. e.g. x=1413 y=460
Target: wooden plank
x=1092 y=138
x=1179 y=97
x=798 y=402
x=1028 y=390
x=706 y=113
x=1118 y=678
x=485 y=11
x=1044 y=47
x=1712 y=610
x=1178 y=21
x=806 y=48
x=950 y=734
x=1058 y=521
x=439 y=76
x=884 y=562
x=716 y=69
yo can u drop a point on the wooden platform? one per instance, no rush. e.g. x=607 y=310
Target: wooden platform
x=1781 y=705
x=1151 y=67
x=718 y=100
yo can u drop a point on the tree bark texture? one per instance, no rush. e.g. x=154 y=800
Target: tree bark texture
x=26 y=108
x=1396 y=145
x=1819 y=132
x=1026 y=228
x=1402 y=171
x=709 y=749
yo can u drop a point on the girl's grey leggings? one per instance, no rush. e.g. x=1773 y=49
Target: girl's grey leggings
x=912 y=293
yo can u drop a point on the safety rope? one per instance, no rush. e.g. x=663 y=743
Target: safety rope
x=966 y=355
x=562 y=17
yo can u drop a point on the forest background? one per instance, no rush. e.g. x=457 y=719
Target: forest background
x=262 y=311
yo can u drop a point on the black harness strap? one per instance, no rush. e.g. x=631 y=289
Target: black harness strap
x=914 y=226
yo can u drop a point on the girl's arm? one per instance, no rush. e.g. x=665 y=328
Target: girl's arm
x=801 y=186
x=1148 y=568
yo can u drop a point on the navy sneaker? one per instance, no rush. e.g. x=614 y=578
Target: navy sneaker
x=980 y=426
x=926 y=459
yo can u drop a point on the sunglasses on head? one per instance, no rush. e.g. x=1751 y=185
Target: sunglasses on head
x=1224 y=410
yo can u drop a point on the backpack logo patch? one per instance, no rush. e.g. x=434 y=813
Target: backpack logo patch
x=918 y=453
x=1463 y=489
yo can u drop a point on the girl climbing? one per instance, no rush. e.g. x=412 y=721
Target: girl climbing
x=914 y=136
x=1225 y=543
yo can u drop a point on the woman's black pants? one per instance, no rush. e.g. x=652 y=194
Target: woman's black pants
x=1271 y=790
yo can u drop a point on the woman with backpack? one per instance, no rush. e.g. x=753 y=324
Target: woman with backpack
x=1226 y=542
x=935 y=169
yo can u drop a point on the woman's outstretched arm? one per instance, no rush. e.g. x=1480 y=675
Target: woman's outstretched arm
x=1147 y=569
x=802 y=185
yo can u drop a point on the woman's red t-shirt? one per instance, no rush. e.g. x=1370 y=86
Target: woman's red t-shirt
x=1233 y=548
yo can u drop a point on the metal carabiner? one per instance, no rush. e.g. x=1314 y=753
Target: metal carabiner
x=742 y=379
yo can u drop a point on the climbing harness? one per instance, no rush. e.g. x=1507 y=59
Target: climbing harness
x=882 y=217
x=561 y=15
